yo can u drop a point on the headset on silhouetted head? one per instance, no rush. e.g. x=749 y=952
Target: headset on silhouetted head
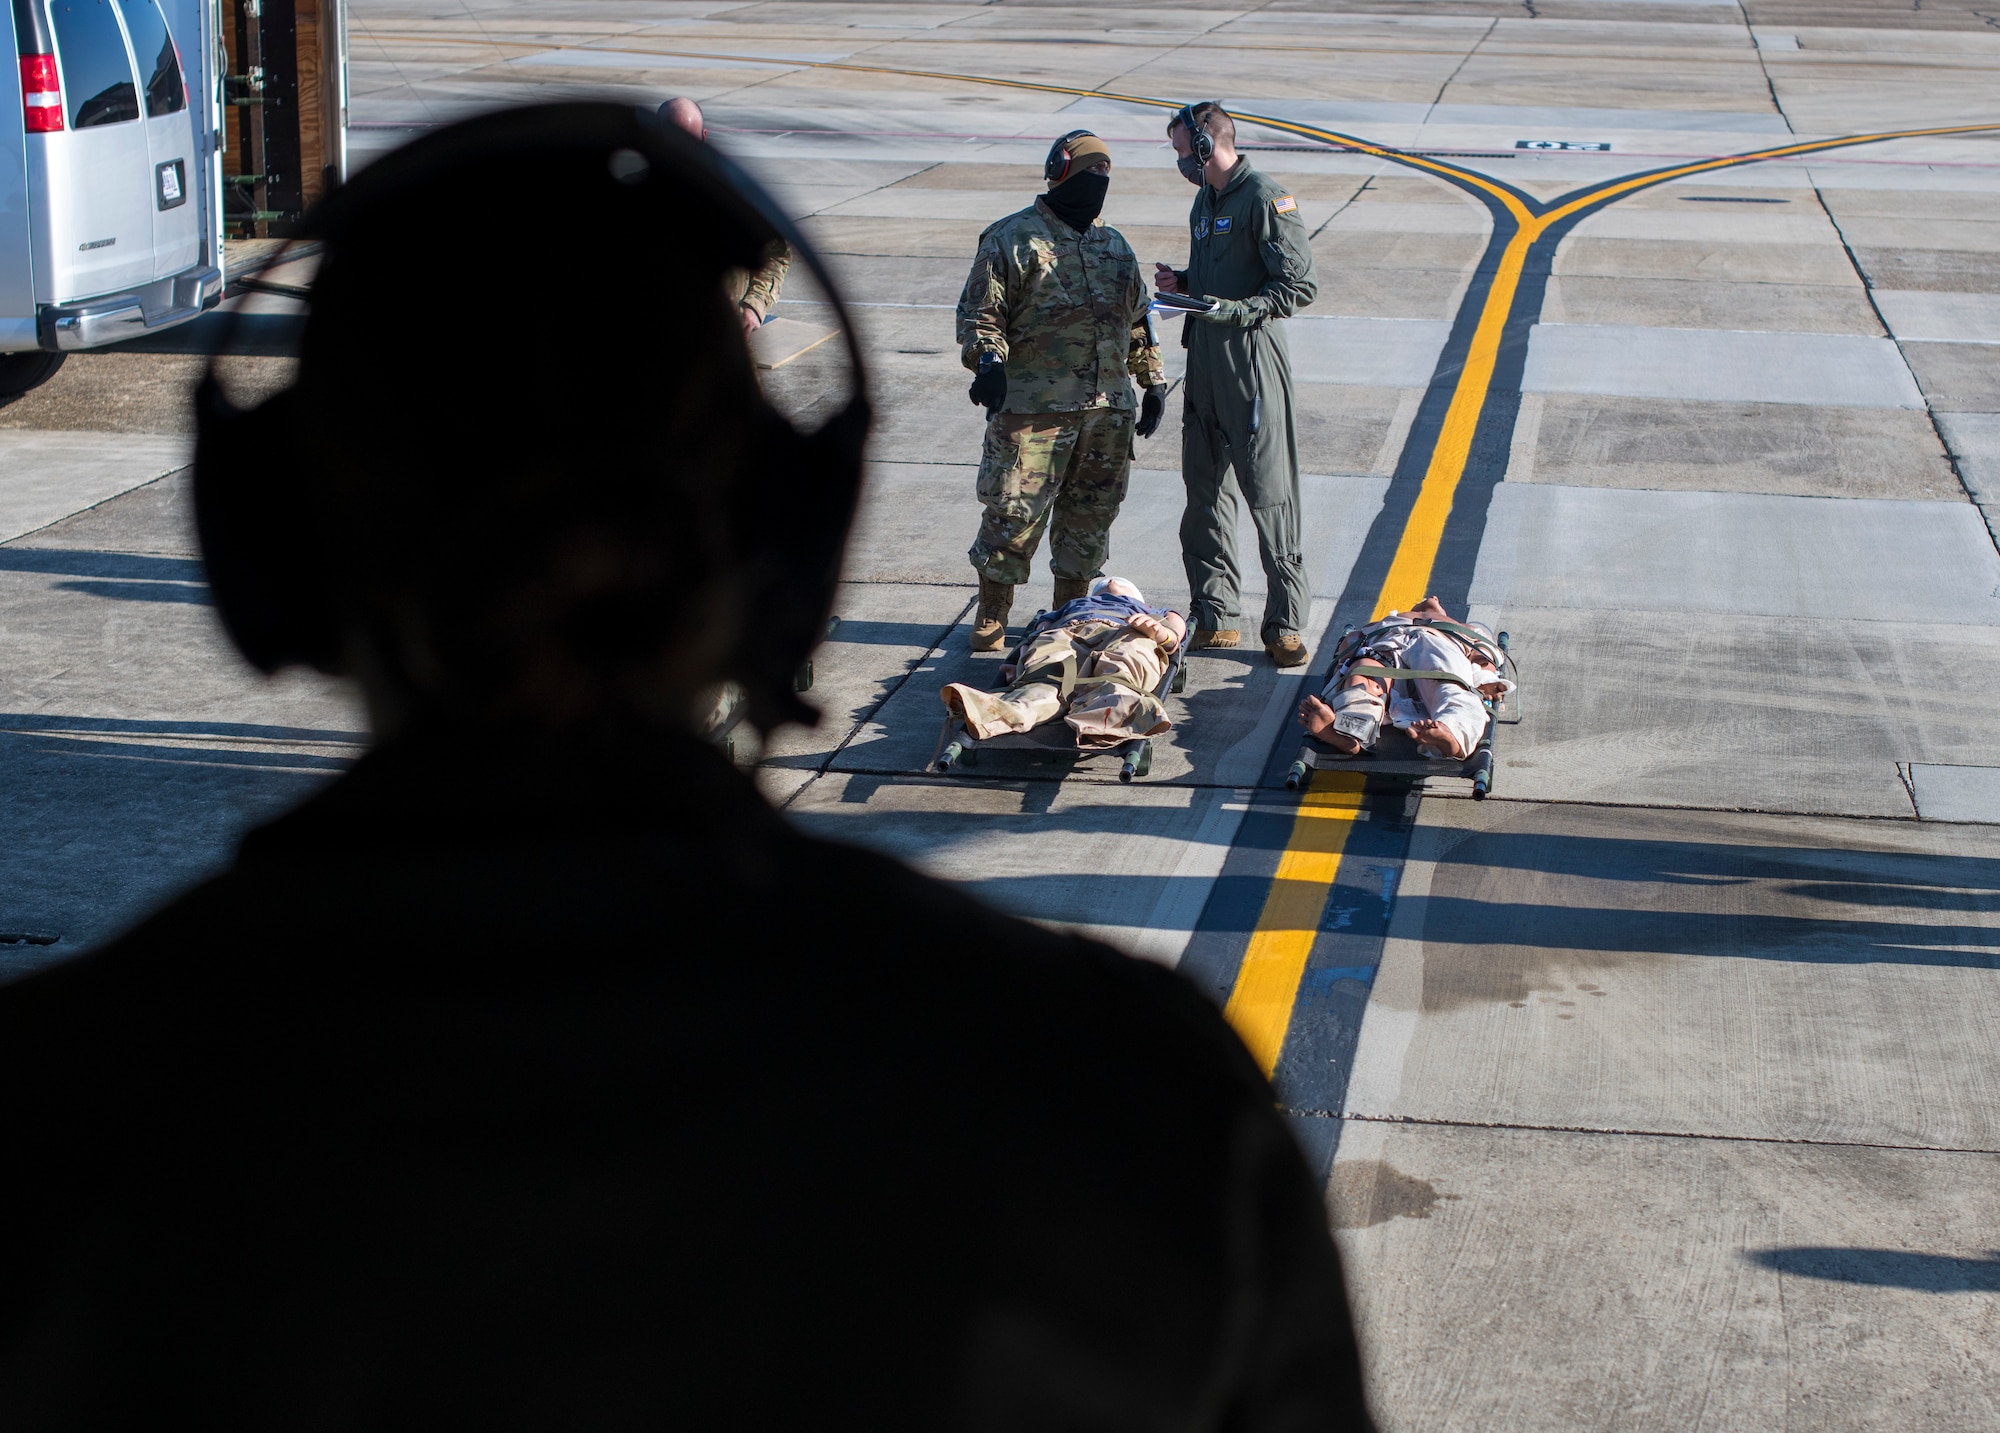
x=260 y=471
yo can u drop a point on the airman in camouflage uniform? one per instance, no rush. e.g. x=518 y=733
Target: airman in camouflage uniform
x=752 y=291
x=1053 y=323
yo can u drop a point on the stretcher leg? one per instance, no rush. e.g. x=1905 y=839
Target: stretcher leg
x=802 y=680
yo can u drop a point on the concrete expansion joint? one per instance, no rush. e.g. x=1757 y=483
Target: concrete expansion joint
x=1930 y=409
x=1495 y=798
x=1354 y=1117
x=137 y=487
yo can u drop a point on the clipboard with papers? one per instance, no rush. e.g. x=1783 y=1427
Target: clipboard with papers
x=1180 y=304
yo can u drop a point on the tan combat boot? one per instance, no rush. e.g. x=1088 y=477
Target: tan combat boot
x=1068 y=589
x=989 y=630
x=1288 y=650
x=1215 y=637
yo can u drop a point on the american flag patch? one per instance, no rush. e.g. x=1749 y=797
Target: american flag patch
x=1284 y=204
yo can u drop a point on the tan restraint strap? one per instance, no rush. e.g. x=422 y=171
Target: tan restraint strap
x=1060 y=674
x=1407 y=674
x=1466 y=634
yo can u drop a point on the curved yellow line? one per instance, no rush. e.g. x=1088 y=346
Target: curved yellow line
x=1409 y=572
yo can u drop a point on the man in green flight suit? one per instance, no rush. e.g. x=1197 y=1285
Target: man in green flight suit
x=1053 y=324
x=1251 y=255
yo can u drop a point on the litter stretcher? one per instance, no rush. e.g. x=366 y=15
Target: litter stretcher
x=958 y=747
x=1394 y=752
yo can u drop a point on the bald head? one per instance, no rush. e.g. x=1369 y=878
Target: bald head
x=685 y=113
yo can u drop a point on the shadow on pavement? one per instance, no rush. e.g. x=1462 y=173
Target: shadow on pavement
x=1887 y=1268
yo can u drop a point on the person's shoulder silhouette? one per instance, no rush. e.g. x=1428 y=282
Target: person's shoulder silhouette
x=536 y=1073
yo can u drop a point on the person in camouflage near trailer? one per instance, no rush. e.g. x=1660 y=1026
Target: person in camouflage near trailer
x=1053 y=324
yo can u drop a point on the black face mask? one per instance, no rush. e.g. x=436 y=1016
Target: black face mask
x=1079 y=199
x=1191 y=169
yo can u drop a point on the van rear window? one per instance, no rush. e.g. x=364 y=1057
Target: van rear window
x=159 y=62
x=96 y=74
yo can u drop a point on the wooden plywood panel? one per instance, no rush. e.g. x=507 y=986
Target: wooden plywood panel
x=311 y=108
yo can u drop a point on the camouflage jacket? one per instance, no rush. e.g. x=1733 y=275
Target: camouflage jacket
x=758 y=290
x=1067 y=311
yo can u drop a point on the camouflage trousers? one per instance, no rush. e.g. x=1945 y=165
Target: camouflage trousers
x=1066 y=472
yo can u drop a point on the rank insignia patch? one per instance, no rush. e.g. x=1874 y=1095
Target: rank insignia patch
x=1284 y=204
x=1222 y=224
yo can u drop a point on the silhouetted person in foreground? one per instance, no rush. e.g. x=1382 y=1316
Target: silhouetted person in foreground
x=536 y=1074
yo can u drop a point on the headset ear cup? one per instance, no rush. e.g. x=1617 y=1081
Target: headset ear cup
x=795 y=536
x=1055 y=168
x=265 y=565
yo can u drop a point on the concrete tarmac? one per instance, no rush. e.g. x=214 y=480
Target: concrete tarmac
x=1656 y=1092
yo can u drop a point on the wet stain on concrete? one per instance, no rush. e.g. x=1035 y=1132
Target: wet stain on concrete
x=1367 y=1192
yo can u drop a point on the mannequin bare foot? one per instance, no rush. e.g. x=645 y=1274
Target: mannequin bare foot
x=1317 y=718
x=1435 y=736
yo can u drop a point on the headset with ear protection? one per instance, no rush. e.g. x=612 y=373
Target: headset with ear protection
x=1055 y=168
x=1200 y=142
x=269 y=574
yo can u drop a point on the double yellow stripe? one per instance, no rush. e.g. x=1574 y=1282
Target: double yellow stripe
x=1410 y=570
x=1260 y=1004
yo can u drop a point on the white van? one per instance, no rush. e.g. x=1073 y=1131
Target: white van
x=109 y=172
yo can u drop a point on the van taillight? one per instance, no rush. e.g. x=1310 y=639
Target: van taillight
x=41 y=94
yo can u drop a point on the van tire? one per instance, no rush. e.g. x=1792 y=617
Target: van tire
x=20 y=372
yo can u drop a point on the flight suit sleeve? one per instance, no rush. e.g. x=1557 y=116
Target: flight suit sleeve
x=769 y=279
x=1148 y=368
x=982 y=307
x=1286 y=250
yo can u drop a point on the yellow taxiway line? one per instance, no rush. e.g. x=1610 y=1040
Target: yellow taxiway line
x=1267 y=985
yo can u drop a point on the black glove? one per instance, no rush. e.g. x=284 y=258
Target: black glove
x=990 y=386
x=1151 y=407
